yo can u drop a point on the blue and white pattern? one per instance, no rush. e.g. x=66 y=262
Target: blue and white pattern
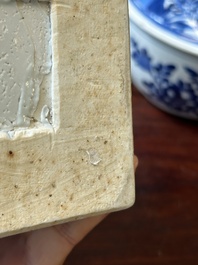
x=180 y=96
x=178 y=16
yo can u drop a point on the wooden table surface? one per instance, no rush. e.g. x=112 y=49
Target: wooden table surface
x=162 y=227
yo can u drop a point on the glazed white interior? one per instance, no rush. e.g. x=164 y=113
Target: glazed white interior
x=25 y=64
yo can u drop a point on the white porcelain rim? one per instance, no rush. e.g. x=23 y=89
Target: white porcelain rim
x=148 y=26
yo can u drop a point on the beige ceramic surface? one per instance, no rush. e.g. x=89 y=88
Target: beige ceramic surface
x=84 y=165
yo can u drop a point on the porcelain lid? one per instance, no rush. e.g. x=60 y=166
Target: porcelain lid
x=179 y=17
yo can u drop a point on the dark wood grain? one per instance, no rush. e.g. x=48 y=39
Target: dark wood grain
x=162 y=227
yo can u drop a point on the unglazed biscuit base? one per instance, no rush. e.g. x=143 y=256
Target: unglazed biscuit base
x=77 y=159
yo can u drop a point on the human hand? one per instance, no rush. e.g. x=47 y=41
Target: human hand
x=48 y=246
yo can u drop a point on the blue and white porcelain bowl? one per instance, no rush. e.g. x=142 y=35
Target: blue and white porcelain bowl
x=164 y=53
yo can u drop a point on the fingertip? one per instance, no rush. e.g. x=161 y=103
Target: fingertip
x=136 y=161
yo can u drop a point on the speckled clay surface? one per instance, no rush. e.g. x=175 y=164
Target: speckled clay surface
x=83 y=165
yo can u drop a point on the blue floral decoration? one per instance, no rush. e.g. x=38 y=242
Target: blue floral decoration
x=178 y=16
x=180 y=96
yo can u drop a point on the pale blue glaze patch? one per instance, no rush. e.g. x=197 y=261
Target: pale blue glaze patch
x=177 y=16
